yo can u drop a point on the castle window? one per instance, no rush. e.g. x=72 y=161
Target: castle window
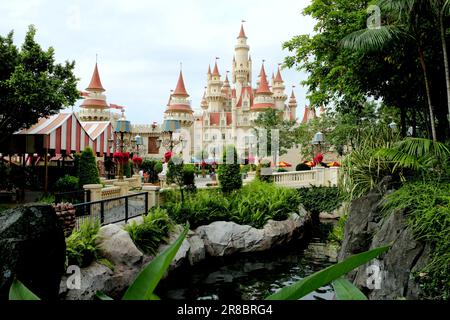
x=223 y=136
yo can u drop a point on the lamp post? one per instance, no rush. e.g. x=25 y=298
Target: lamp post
x=318 y=140
x=122 y=127
x=170 y=126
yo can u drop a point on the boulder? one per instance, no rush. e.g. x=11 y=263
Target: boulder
x=116 y=245
x=224 y=238
x=32 y=248
x=93 y=278
x=197 y=251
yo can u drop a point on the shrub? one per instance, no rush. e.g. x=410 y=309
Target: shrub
x=127 y=169
x=189 y=177
x=229 y=172
x=88 y=171
x=259 y=176
x=81 y=247
x=67 y=184
x=152 y=232
x=153 y=168
x=320 y=199
x=254 y=205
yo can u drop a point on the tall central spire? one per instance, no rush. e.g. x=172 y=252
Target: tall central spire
x=95 y=84
x=242 y=32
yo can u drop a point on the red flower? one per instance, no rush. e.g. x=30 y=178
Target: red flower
x=121 y=157
x=167 y=156
x=137 y=160
x=318 y=159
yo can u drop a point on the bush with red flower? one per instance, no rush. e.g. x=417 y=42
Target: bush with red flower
x=318 y=159
x=137 y=161
x=121 y=157
x=167 y=156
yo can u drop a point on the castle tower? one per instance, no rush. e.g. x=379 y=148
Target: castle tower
x=293 y=106
x=214 y=94
x=278 y=91
x=179 y=107
x=241 y=63
x=94 y=106
x=263 y=96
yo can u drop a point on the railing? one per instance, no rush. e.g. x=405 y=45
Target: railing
x=113 y=210
x=110 y=192
x=321 y=177
x=73 y=196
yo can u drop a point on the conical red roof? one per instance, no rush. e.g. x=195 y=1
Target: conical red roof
x=95 y=84
x=242 y=32
x=216 y=70
x=180 y=90
x=263 y=84
x=278 y=76
x=209 y=69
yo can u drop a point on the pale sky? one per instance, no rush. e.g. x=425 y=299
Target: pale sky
x=140 y=44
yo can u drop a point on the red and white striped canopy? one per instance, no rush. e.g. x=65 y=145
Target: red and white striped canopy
x=66 y=133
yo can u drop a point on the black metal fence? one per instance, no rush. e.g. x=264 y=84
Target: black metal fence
x=113 y=210
x=73 y=197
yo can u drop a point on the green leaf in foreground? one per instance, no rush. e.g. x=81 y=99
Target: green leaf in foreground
x=345 y=290
x=325 y=276
x=19 y=292
x=103 y=296
x=142 y=288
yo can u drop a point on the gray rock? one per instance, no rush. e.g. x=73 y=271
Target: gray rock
x=116 y=245
x=197 y=251
x=93 y=278
x=367 y=229
x=32 y=248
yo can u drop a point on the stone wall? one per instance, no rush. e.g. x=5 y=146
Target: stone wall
x=368 y=228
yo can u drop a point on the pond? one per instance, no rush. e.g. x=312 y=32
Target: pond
x=253 y=276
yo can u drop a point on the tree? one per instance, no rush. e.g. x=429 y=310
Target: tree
x=32 y=85
x=272 y=120
x=88 y=171
x=175 y=173
x=344 y=79
x=229 y=172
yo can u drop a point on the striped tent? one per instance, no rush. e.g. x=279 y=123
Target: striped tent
x=64 y=132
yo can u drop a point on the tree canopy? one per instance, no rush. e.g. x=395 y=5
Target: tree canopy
x=389 y=66
x=32 y=85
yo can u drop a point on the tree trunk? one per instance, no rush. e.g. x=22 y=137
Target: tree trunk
x=446 y=67
x=427 y=88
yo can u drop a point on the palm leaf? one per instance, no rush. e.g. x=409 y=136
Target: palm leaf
x=19 y=292
x=368 y=40
x=325 y=276
x=345 y=290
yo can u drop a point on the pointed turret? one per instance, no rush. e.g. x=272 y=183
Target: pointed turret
x=216 y=70
x=94 y=104
x=95 y=84
x=208 y=75
x=292 y=100
x=263 y=87
x=278 y=76
x=180 y=90
x=242 y=33
x=204 y=103
x=178 y=102
x=263 y=96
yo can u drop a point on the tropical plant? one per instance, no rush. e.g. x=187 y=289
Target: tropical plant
x=81 y=245
x=229 y=172
x=189 y=177
x=315 y=281
x=152 y=231
x=88 y=171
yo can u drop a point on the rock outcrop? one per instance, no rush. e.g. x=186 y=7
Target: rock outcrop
x=389 y=276
x=32 y=249
x=224 y=238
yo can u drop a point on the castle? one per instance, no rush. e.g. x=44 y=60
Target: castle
x=225 y=115
x=227 y=110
